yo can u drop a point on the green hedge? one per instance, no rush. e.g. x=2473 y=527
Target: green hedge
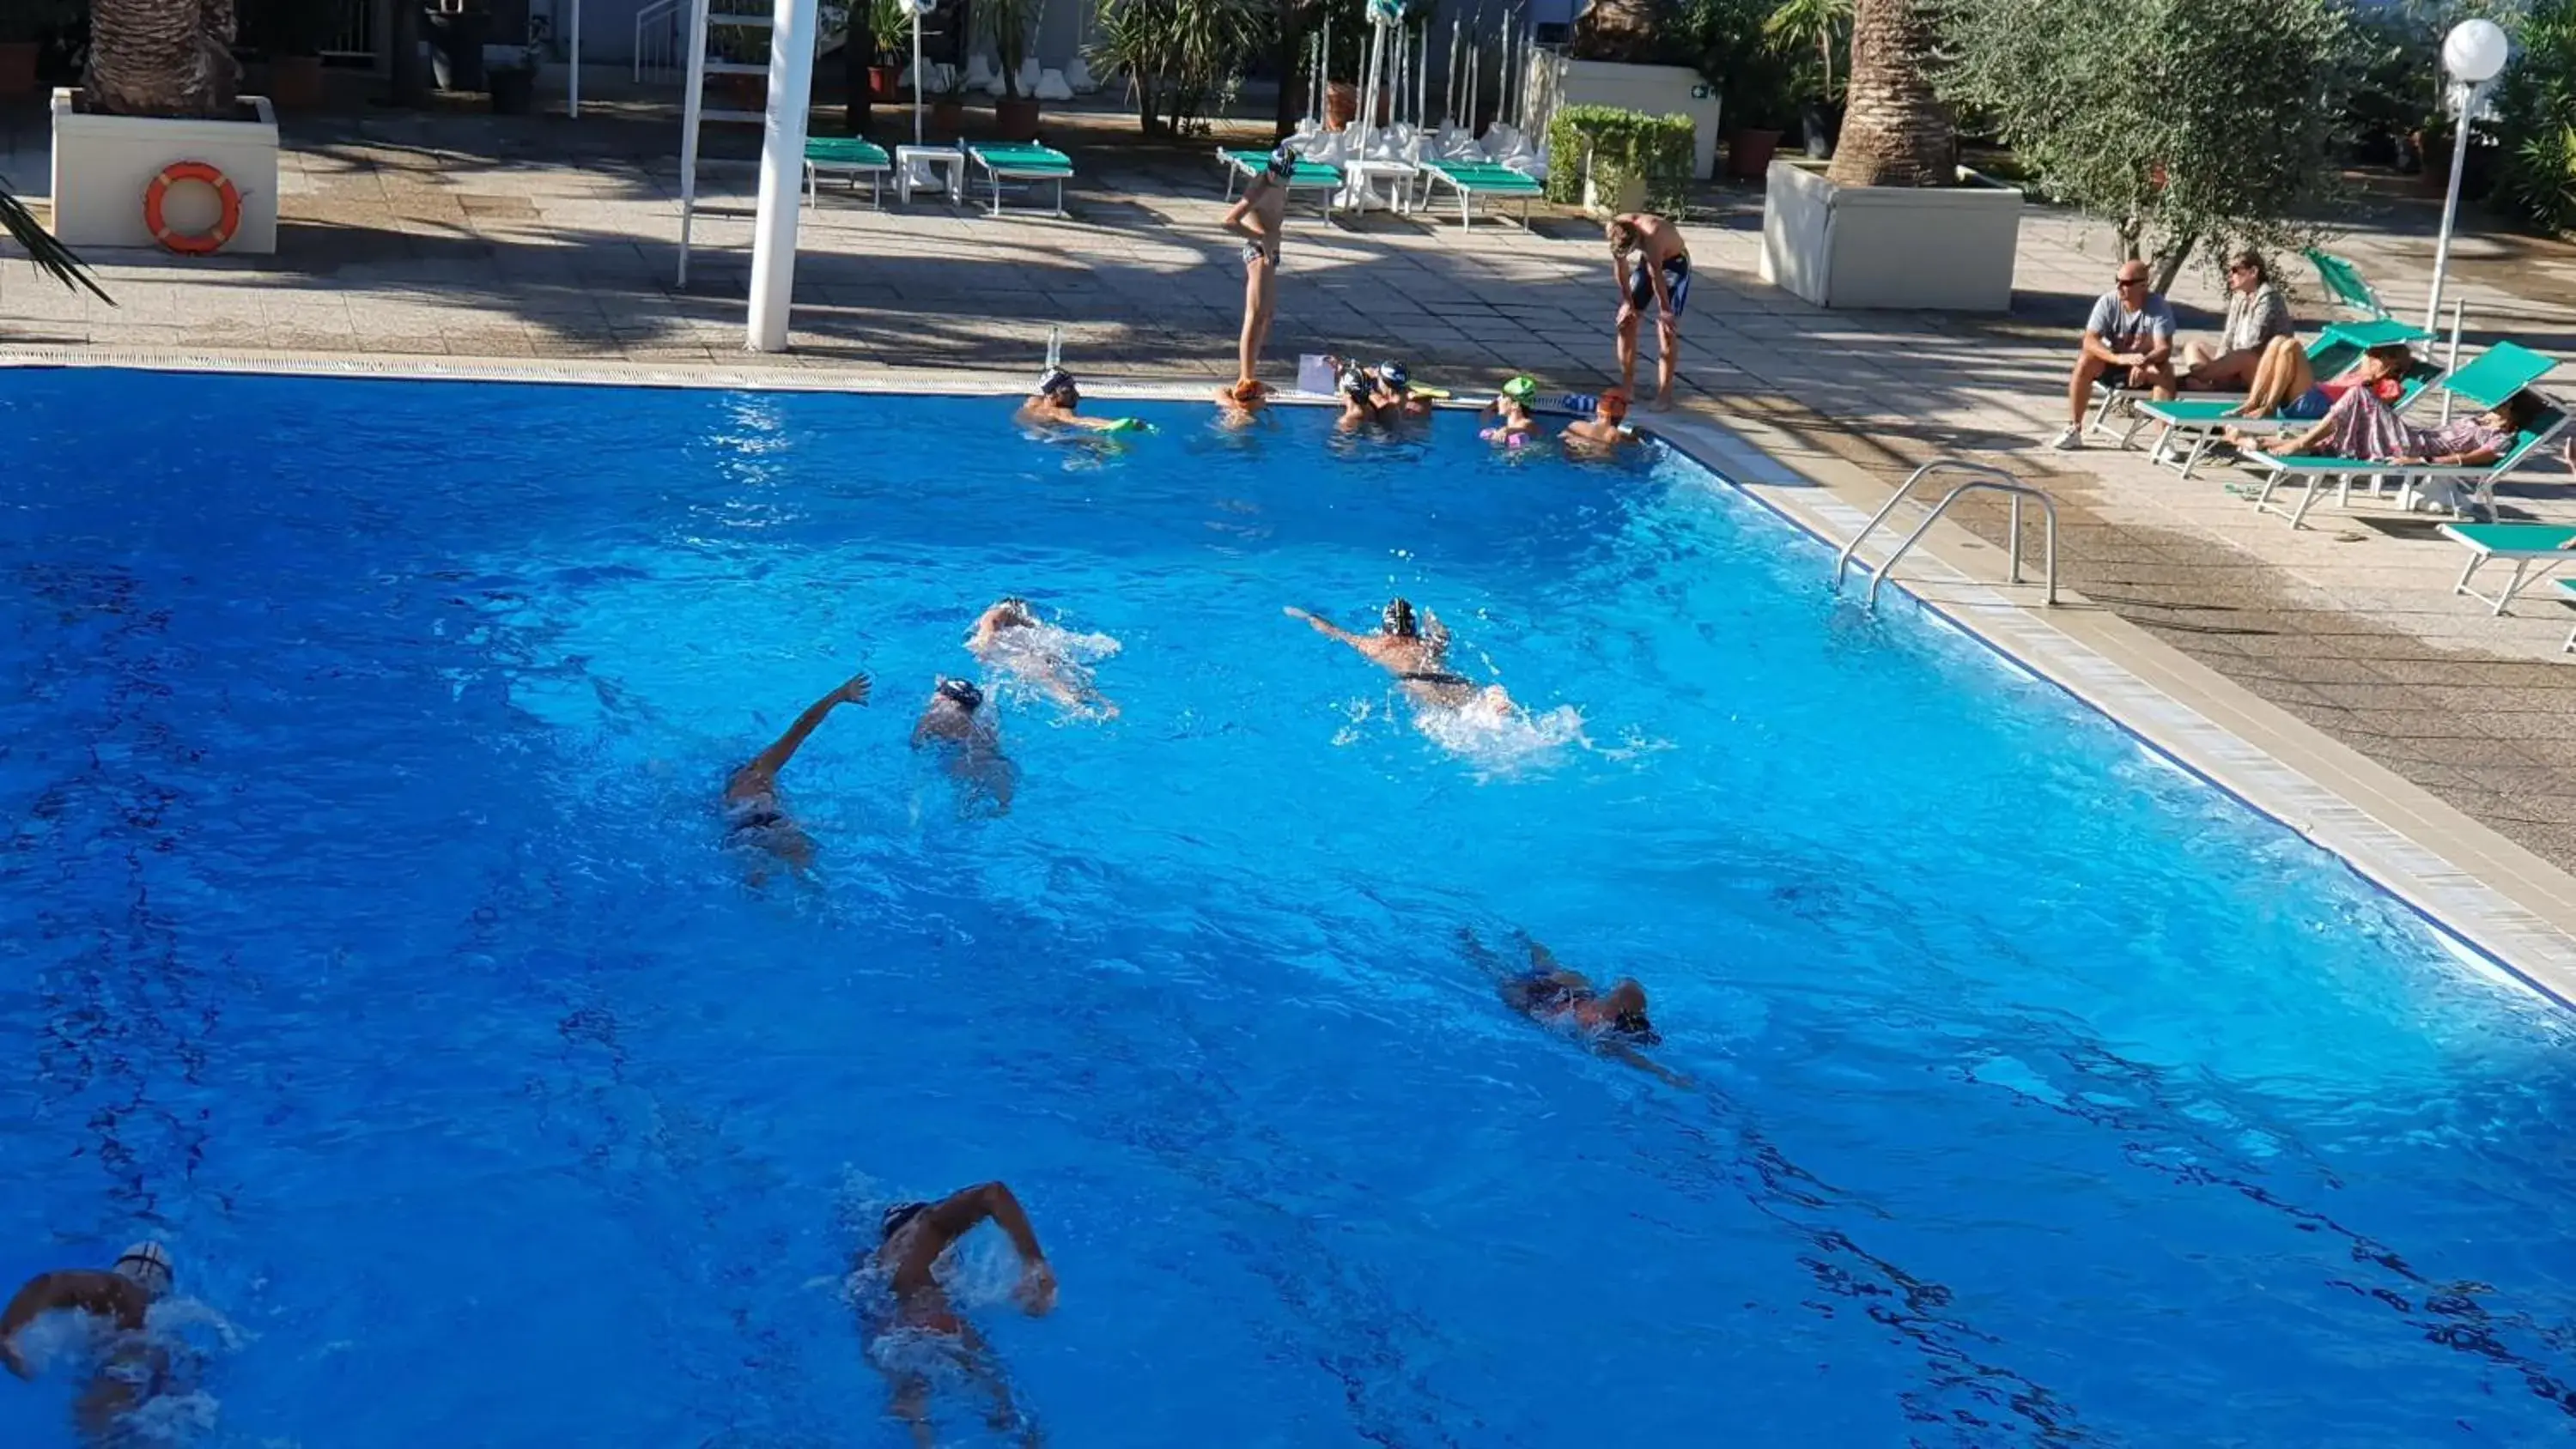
x=1621 y=143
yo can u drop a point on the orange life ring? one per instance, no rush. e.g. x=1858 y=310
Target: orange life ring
x=188 y=243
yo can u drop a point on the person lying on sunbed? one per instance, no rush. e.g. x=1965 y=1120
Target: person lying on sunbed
x=2361 y=427
x=2285 y=383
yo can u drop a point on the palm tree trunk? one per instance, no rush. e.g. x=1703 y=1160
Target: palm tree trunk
x=161 y=58
x=1895 y=132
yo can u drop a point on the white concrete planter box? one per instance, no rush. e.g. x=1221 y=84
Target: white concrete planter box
x=102 y=165
x=1946 y=249
x=1657 y=90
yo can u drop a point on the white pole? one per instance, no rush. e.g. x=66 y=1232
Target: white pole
x=691 y=107
x=782 y=173
x=573 y=98
x=1422 y=80
x=920 y=78
x=2468 y=98
x=1449 y=74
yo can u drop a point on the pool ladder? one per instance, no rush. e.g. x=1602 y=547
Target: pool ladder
x=1989 y=480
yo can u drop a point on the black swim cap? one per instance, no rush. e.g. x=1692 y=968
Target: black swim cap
x=961 y=692
x=1055 y=380
x=898 y=1215
x=1397 y=619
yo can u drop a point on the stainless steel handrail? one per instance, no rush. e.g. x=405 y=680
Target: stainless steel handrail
x=1991 y=479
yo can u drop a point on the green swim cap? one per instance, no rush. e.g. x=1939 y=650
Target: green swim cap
x=1521 y=389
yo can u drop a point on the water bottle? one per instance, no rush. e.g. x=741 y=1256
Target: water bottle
x=1581 y=404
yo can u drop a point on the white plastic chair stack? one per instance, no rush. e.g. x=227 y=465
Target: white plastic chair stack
x=1534 y=166
x=980 y=76
x=1306 y=138
x=1029 y=75
x=1330 y=148
x=1079 y=76
x=1460 y=145
x=1501 y=139
x=1052 y=86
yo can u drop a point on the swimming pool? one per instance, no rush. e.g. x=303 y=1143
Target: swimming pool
x=374 y=942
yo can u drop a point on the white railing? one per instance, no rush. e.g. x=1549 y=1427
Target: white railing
x=657 y=42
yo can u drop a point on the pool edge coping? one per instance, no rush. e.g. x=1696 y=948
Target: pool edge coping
x=2480 y=891
x=2505 y=905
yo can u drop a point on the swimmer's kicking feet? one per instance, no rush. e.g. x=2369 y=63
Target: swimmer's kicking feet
x=916 y=1309
x=1009 y=638
x=752 y=813
x=1613 y=1022
x=956 y=723
x=131 y=1370
x=1416 y=651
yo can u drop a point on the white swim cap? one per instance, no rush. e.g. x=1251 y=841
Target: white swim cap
x=148 y=1264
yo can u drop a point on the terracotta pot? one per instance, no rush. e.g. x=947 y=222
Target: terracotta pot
x=1016 y=120
x=885 y=83
x=17 y=68
x=1748 y=154
x=295 y=82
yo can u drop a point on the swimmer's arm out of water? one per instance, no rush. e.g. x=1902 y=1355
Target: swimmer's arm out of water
x=960 y=1213
x=1325 y=627
x=107 y=1295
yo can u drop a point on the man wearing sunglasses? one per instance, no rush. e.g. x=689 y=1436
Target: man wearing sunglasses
x=2128 y=343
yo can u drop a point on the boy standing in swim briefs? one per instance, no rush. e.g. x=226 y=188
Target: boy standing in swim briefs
x=1660 y=278
x=1259 y=218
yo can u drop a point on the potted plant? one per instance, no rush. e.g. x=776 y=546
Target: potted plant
x=514 y=85
x=890 y=31
x=24 y=24
x=1808 y=34
x=741 y=45
x=1015 y=116
x=296 y=32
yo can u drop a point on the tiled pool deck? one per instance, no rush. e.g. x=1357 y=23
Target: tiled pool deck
x=451 y=241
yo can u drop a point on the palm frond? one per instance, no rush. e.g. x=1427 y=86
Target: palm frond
x=48 y=253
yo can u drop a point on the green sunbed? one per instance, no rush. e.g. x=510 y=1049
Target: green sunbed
x=1472 y=179
x=854 y=156
x=2344 y=283
x=2503 y=370
x=1022 y=161
x=2534 y=548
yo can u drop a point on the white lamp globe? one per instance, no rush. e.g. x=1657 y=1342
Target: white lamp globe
x=2475 y=51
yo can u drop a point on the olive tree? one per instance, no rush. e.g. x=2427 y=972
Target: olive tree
x=2184 y=123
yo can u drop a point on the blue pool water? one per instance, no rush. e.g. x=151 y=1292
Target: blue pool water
x=370 y=938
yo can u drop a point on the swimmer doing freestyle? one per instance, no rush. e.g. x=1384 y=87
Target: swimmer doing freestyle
x=753 y=815
x=116 y=1302
x=1010 y=639
x=1612 y=1022
x=956 y=724
x=1416 y=652
x=913 y=1328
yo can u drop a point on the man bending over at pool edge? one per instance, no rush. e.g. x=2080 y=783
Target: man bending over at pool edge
x=752 y=813
x=914 y=1236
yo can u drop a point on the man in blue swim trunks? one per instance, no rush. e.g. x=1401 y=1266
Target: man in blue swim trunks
x=1653 y=268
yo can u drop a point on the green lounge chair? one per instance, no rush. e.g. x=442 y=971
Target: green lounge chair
x=2344 y=283
x=853 y=156
x=1309 y=176
x=1474 y=179
x=1023 y=162
x=2198 y=421
x=2535 y=549
x=2499 y=373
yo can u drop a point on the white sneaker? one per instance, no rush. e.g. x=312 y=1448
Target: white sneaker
x=2069 y=440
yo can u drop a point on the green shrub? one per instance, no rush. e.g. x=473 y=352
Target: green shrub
x=2537 y=106
x=1614 y=144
